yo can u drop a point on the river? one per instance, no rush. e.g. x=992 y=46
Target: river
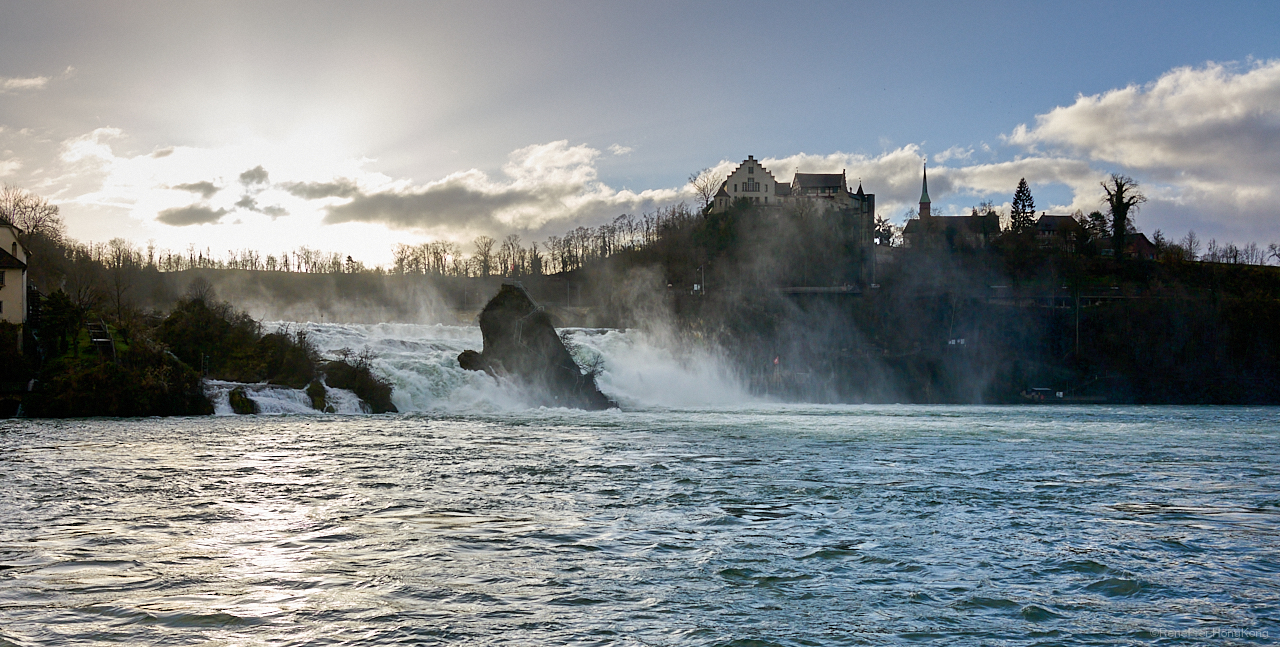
x=695 y=515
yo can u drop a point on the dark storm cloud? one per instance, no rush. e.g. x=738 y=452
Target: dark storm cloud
x=206 y=189
x=255 y=175
x=341 y=188
x=191 y=215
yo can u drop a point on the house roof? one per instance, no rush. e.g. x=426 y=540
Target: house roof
x=818 y=180
x=782 y=189
x=722 y=193
x=924 y=187
x=10 y=262
x=977 y=224
x=1055 y=223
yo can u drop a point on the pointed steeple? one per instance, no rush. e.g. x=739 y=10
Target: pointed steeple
x=924 y=194
x=860 y=193
x=924 y=187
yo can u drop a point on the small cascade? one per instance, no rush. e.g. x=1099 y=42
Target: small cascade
x=273 y=399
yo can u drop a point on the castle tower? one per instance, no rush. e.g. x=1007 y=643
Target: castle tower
x=924 y=195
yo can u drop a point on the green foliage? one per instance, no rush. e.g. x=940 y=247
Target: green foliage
x=13 y=366
x=60 y=323
x=355 y=374
x=214 y=336
x=145 y=382
x=287 y=358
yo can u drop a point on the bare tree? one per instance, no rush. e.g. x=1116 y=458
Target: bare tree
x=484 y=253
x=1122 y=198
x=32 y=214
x=1191 y=243
x=705 y=184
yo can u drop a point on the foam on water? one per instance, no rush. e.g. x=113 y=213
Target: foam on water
x=421 y=361
x=272 y=399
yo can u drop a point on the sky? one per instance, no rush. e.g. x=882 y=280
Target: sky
x=352 y=127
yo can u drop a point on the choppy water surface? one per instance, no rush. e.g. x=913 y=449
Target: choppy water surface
x=749 y=525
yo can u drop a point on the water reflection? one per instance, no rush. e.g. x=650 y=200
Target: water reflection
x=839 y=525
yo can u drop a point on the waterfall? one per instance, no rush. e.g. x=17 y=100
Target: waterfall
x=635 y=369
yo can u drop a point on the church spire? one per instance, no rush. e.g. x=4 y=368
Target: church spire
x=924 y=194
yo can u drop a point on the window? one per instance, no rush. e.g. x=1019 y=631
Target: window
x=735 y=187
x=751 y=187
x=751 y=170
x=1 y=278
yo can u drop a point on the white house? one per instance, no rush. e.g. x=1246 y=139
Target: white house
x=13 y=277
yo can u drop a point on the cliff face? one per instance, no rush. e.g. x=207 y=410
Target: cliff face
x=520 y=343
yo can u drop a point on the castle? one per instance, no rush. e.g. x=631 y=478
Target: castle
x=853 y=211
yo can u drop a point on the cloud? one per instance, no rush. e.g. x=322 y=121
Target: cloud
x=254 y=176
x=191 y=215
x=545 y=186
x=31 y=83
x=340 y=188
x=163 y=152
x=206 y=189
x=1210 y=135
x=955 y=152
x=9 y=167
x=23 y=84
x=618 y=149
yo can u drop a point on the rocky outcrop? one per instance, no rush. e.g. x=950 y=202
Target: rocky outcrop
x=521 y=344
x=240 y=401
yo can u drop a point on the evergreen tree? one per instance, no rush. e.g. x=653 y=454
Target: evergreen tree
x=1023 y=211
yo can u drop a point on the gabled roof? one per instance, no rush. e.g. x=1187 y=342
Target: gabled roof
x=10 y=262
x=1055 y=223
x=818 y=180
x=722 y=193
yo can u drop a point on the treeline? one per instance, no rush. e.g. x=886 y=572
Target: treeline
x=511 y=258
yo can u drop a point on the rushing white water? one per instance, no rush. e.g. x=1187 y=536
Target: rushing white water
x=637 y=370
x=280 y=399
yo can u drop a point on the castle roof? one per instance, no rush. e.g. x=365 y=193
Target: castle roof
x=818 y=180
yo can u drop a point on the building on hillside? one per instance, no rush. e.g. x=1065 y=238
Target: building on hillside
x=953 y=232
x=13 y=278
x=854 y=212
x=755 y=183
x=1139 y=246
x=1056 y=232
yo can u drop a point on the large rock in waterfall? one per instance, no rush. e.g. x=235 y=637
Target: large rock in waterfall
x=521 y=344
